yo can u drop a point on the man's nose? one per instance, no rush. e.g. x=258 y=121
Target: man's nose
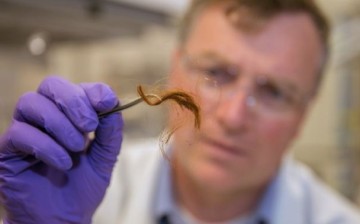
x=235 y=108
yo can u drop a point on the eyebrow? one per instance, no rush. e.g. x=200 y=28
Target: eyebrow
x=214 y=56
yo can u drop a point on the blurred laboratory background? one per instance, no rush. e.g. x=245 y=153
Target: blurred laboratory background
x=129 y=42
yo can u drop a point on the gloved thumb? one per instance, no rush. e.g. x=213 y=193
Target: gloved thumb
x=105 y=147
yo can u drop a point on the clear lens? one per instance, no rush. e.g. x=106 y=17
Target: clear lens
x=275 y=97
x=208 y=92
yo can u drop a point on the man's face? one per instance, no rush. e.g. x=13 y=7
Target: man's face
x=245 y=129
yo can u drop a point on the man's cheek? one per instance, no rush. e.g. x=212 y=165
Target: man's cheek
x=278 y=134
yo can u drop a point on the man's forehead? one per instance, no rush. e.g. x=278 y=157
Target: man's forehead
x=283 y=26
x=279 y=41
x=245 y=18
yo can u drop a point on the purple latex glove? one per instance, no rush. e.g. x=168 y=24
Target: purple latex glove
x=49 y=171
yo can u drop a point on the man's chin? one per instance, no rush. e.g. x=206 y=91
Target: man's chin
x=216 y=177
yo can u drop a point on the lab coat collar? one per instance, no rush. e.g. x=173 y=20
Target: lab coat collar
x=284 y=200
x=164 y=199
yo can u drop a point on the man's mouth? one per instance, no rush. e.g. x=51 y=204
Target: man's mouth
x=222 y=148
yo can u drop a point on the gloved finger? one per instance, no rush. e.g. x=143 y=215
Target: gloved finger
x=105 y=148
x=72 y=100
x=42 y=113
x=22 y=140
x=101 y=96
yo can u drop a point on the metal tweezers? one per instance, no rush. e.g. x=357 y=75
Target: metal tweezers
x=127 y=105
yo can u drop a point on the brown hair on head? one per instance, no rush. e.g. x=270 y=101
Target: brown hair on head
x=259 y=11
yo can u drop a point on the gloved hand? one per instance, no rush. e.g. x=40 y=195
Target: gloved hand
x=50 y=171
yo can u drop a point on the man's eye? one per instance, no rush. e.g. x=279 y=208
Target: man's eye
x=214 y=71
x=271 y=92
x=219 y=74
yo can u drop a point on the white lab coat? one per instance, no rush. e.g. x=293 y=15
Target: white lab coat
x=302 y=199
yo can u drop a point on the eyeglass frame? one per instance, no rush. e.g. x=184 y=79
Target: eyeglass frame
x=294 y=102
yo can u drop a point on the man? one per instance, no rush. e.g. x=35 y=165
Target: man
x=253 y=67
